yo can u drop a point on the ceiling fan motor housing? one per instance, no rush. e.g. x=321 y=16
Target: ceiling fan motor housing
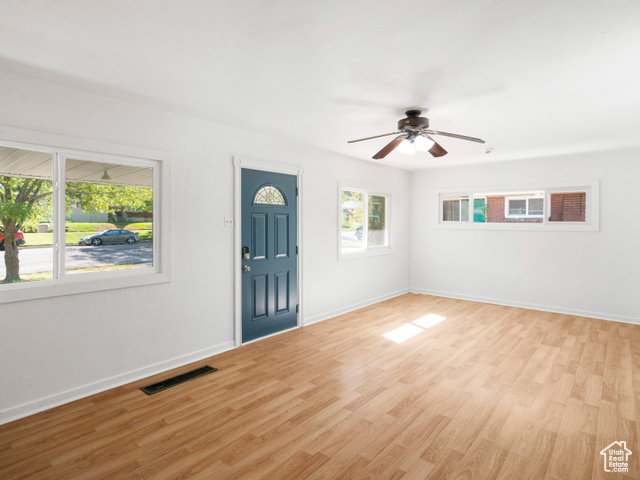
x=413 y=120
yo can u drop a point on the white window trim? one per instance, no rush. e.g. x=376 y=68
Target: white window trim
x=63 y=147
x=592 y=216
x=508 y=199
x=369 y=190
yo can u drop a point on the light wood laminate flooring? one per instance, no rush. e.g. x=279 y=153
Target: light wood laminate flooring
x=485 y=392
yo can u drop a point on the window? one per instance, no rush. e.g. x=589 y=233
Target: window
x=364 y=222
x=26 y=202
x=269 y=195
x=568 y=206
x=376 y=225
x=479 y=209
x=557 y=207
x=113 y=211
x=94 y=226
x=455 y=209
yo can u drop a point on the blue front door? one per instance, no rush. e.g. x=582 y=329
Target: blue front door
x=269 y=253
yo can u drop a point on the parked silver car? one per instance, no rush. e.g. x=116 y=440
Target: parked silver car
x=110 y=236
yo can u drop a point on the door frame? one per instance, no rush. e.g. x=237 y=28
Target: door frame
x=239 y=163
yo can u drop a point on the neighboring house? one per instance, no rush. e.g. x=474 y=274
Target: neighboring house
x=517 y=208
x=568 y=207
x=128 y=216
x=78 y=215
x=529 y=208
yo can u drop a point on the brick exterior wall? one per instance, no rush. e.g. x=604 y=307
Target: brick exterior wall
x=568 y=207
x=495 y=213
x=565 y=207
x=495 y=209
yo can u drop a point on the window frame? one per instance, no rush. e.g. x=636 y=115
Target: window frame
x=592 y=210
x=367 y=191
x=61 y=148
x=459 y=198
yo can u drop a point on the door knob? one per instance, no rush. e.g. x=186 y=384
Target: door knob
x=246 y=268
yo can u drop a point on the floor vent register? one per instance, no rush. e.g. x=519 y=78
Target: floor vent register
x=177 y=380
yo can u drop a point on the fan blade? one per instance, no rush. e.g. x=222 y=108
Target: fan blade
x=369 y=138
x=390 y=147
x=455 y=135
x=436 y=149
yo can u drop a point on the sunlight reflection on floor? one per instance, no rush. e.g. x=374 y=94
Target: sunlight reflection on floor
x=428 y=320
x=412 y=329
x=403 y=333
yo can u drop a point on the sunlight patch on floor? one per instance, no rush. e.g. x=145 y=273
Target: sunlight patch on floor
x=409 y=330
x=403 y=333
x=428 y=321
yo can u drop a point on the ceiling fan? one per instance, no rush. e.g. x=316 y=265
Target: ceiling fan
x=415 y=135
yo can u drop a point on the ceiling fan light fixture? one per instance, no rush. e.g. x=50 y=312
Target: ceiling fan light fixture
x=105 y=176
x=415 y=135
x=407 y=147
x=422 y=143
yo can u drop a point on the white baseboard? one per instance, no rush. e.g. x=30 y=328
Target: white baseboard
x=351 y=308
x=46 y=403
x=530 y=306
x=30 y=408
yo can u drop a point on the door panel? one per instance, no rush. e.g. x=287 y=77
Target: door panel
x=260 y=297
x=282 y=236
x=259 y=236
x=270 y=273
x=282 y=292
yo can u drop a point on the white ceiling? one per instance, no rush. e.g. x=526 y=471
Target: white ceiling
x=532 y=78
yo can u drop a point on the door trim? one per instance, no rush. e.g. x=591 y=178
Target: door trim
x=238 y=164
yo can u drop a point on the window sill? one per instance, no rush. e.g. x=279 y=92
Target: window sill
x=81 y=283
x=372 y=252
x=519 y=226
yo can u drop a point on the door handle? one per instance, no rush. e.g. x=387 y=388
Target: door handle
x=246 y=268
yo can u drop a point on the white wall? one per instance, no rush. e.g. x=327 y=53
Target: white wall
x=57 y=349
x=585 y=273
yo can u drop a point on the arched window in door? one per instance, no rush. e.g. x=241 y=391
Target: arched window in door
x=269 y=195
